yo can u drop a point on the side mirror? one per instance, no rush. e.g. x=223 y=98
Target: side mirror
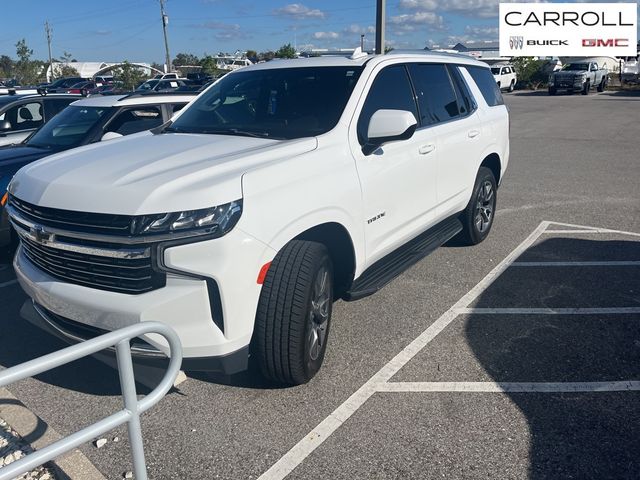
x=389 y=126
x=110 y=136
x=5 y=125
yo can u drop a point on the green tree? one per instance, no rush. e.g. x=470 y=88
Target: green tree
x=210 y=66
x=286 y=51
x=266 y=56
x=251 y=54
x=185 y=59
x=63 y=69
x=26 y=70
x=530 y=72
x=6 y=66
x=129 y=75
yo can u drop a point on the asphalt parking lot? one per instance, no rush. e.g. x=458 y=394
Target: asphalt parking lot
x=518 y=358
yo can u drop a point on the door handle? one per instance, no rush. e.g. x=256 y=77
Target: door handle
x=473 y=133
x=428 y=148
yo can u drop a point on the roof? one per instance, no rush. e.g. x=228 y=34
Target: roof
x=124 y=100
x=347 y=61
x=477 y=46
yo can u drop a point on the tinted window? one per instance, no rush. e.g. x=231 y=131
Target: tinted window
x=57 y=105
x=69 y=128
x=487 y=85
x=436 y=96
x=391 y=90
x=466 y=102
x=276 y=103
x=136 y=120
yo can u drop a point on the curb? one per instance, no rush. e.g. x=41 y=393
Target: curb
x=34 y=431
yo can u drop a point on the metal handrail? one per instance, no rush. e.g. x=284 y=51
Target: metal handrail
x=132 y=406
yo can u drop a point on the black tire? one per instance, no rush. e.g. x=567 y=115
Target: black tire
x=586 y=88
x=292 y=312
x=477 y=218
x=552 y=90
x=602 y=85
x=512 y=86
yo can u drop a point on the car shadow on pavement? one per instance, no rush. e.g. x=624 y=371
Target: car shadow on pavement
x=571 y=435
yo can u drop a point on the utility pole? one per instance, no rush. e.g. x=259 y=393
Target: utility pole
x=47 y=29
x=362 y=42
x=165 y=22
x=380 y=24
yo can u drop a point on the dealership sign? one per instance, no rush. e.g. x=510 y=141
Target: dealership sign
x=568 y=29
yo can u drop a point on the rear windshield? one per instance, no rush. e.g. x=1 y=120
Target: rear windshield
x=487 y=85
x=69 y=128
x=280 y=103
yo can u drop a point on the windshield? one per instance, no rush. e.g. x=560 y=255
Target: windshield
x=576 y=66
x=495 y=70
x=281 y=103
x=67 y=129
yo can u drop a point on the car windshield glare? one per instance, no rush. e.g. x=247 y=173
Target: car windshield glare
x=279 y=103
x=67 y=129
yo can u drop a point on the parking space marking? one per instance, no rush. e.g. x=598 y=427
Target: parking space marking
x=614 y=263
x=294 y=457
x=588 y=229
x=548 y=311
x=10 y=282
x=510 y=387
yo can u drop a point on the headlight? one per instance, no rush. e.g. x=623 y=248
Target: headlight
x=215 y=220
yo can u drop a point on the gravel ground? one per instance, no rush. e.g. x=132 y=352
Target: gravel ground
x=13 y=448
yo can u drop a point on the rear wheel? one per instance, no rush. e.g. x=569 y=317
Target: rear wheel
x=477 y=218
x=294 y=313
x=512 y=85
x=602 y=84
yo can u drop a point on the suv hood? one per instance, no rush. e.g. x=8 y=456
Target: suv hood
x=147 y=173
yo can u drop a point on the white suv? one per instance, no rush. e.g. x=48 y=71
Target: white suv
x=505 y=76
x=282 y=187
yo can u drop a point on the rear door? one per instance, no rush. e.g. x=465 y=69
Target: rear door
x=450 y=121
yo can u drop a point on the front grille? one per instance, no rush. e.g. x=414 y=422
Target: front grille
x=121 y=275
x=104 y=265
x=101 y=223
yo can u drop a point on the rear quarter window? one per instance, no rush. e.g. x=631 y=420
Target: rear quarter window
x=487 y=85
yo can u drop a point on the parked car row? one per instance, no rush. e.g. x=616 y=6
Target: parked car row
x=284 y=186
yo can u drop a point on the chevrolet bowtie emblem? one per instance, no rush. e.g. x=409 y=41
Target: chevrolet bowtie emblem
x=40 y=235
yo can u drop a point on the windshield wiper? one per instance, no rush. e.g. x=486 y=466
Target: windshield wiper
x=236 y=131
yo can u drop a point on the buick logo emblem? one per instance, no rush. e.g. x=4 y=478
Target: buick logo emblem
x=516 y=43
x=40 y=235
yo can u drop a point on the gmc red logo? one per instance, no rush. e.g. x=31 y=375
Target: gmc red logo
x=601 y=42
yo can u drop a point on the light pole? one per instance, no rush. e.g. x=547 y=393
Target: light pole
x=362 y=42
x=380 y=24
x=165 y=22
x=47 y=29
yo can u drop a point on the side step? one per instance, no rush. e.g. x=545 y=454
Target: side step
x=389 y=267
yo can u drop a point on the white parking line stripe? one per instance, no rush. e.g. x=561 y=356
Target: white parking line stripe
x=548 y=311
x=542 y=387
x=6 y=284
x=577 y=231
x=624 y=263
x=318 y=435
x=599 y=230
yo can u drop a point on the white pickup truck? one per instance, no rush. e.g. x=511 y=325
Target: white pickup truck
x=578 y=76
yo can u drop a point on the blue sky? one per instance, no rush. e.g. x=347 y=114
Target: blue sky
x=131 y=29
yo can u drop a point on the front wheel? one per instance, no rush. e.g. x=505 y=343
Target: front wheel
x=477 y=218
x=586 y=88
x=294 y=313
x=552 y=90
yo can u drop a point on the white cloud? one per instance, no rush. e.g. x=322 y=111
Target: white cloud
x=469 y=8
x=410 y=22
x=326 y=35
x=225 y=31
x=299 y=11
x=358 y=29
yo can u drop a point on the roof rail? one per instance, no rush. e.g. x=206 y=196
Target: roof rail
x=154 y=94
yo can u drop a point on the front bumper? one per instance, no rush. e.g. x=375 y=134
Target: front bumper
x=231 y=262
